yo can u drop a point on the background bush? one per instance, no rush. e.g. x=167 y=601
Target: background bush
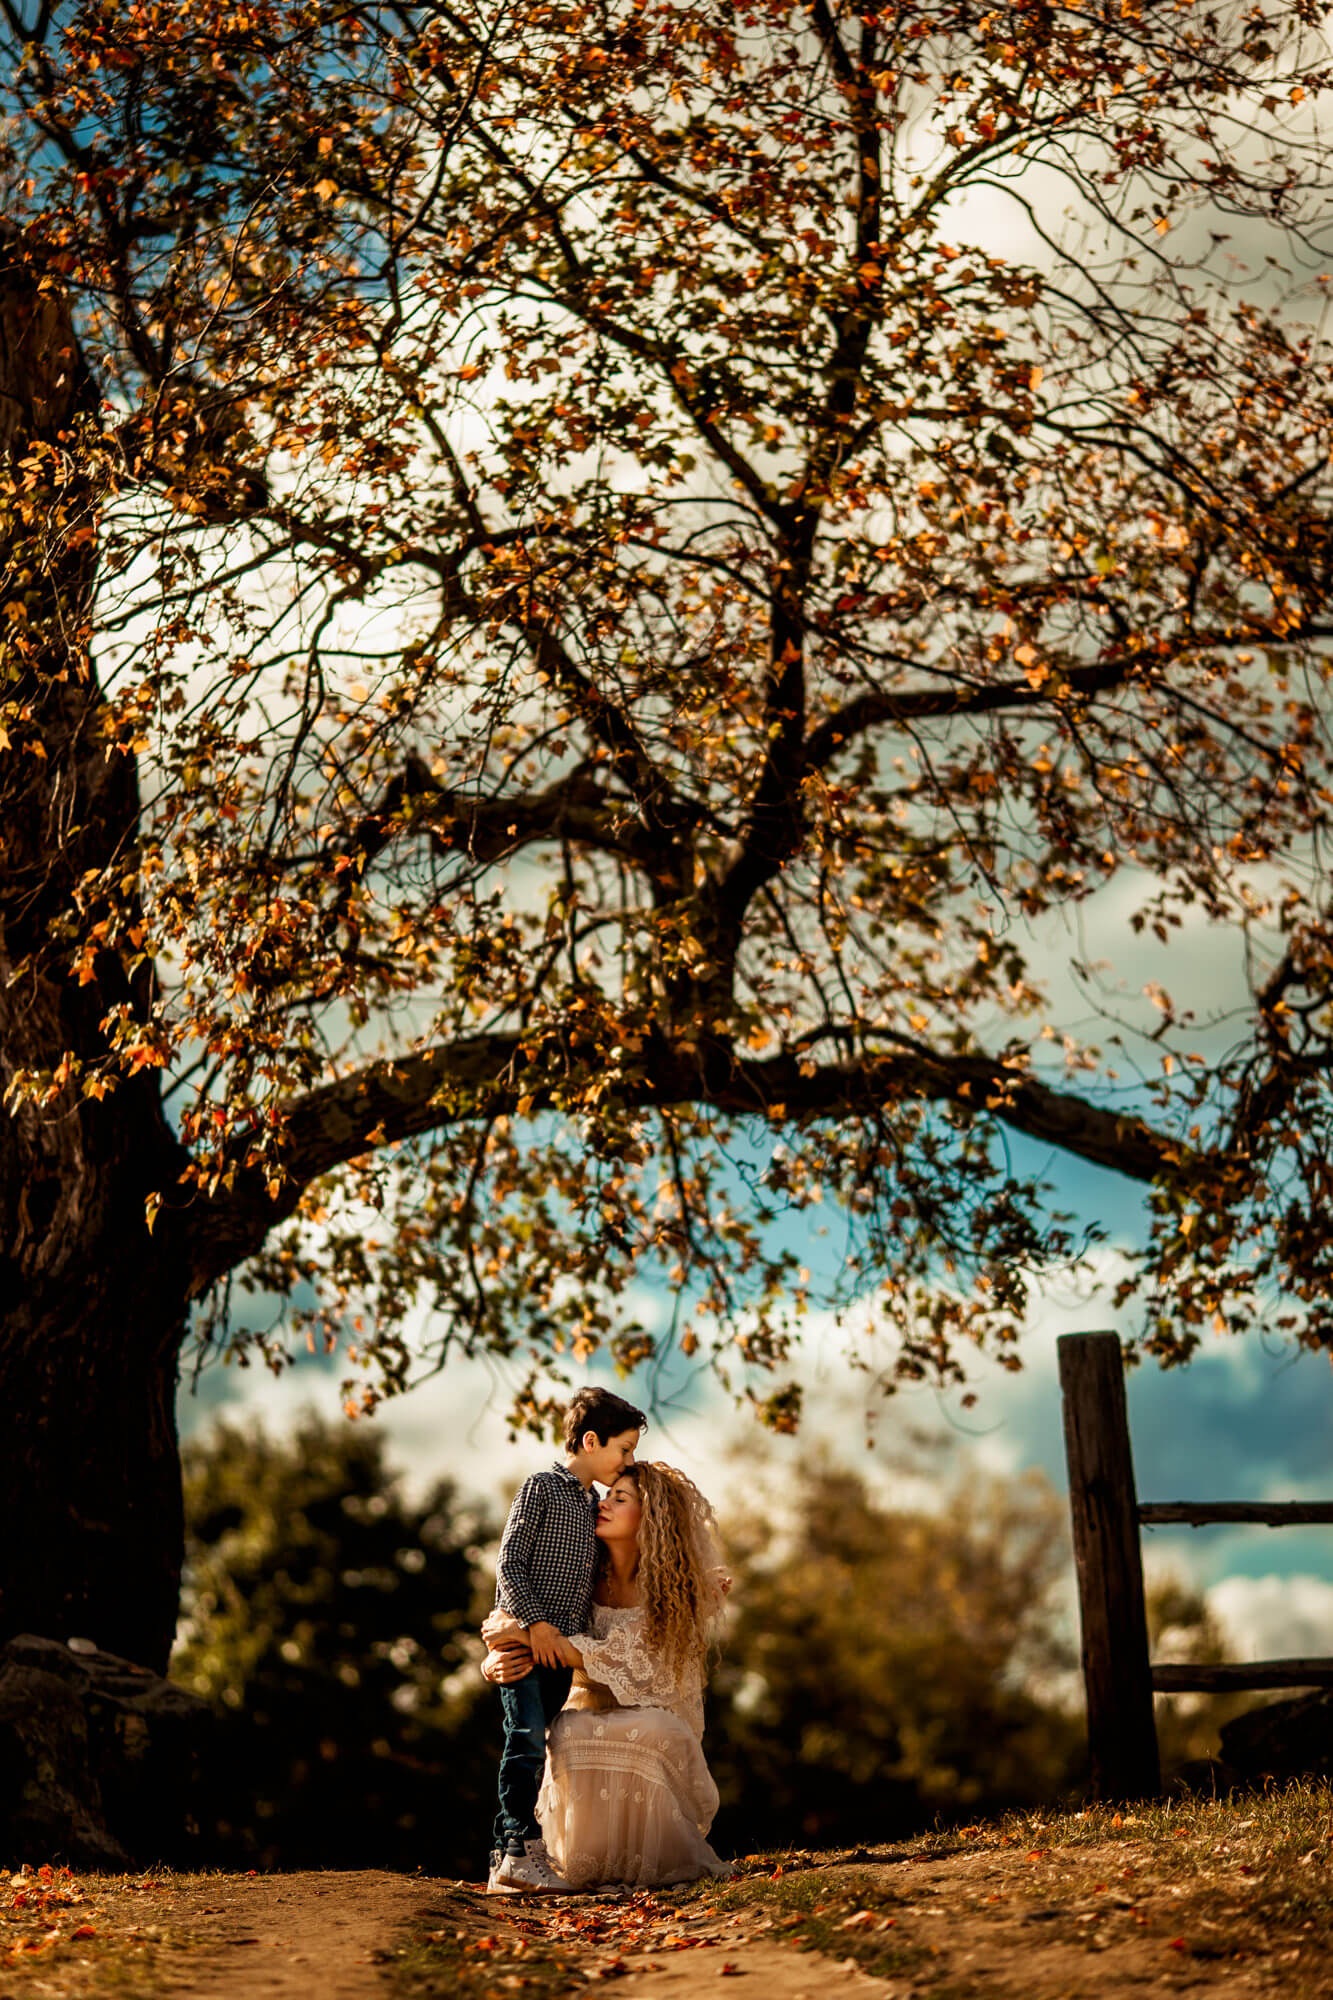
x=332 y=1621
x=885 y=1666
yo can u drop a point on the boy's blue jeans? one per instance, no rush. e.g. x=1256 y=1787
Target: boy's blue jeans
x=527 y=1706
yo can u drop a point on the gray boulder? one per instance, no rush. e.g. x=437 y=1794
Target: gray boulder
x=1292 y=1738
x=99 y=1759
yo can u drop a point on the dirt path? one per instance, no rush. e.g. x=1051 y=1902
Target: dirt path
x=1100 y=1922
x=309 y=1936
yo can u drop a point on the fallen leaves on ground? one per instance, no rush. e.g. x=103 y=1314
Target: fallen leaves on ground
x=50 y=1916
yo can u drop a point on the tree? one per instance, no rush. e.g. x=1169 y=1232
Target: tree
x=612 y=597
x=325 y=1615
x=887 y=1665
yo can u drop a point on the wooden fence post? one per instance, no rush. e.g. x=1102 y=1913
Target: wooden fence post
x=1122 y=1736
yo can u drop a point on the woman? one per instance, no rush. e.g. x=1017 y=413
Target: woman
x=627 y=1796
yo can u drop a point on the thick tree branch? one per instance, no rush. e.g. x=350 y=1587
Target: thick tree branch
x=487 y=1076
x=487 y=830
x=888 y=705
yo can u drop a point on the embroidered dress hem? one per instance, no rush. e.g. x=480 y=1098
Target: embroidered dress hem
x=627 y=1798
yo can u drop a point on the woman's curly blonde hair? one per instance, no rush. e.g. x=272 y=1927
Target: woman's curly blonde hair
x=679 y=1572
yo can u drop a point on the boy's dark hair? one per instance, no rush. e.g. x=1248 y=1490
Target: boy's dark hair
x=605 y=1415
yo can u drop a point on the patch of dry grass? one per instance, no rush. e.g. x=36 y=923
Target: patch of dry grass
x=67 y=1935
x=1246 y=1880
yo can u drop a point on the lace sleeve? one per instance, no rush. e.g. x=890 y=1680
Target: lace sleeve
x=620 y=1661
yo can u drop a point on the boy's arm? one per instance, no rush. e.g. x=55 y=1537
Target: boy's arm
x=516 y=1590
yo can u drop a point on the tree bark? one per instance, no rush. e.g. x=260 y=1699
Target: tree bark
x=92 y=1311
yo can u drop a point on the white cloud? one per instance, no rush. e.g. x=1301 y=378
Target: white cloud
x=1275 y=1617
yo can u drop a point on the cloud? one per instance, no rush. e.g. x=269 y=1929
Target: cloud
x=1275 y=1617
x=1245 y=1420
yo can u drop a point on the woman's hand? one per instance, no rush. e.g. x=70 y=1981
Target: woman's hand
x=506 y=1663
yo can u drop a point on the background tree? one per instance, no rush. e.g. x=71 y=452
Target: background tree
x=623 y=599
x=333 y=1624
x=887 y=1665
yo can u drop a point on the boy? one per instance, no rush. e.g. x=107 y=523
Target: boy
x=544 y=1578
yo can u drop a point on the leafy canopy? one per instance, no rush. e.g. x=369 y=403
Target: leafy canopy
x=645 y=547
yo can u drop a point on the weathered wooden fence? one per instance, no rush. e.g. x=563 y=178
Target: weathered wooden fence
x=1107 y=1516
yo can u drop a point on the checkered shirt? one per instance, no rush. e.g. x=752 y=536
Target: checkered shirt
x=548 y=1553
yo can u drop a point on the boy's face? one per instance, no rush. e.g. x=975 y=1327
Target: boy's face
x=607 y=1461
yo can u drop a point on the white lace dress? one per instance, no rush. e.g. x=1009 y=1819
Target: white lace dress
x=626 y=1795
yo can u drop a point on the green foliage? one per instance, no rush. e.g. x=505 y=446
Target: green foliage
x=329 y=1617
x=886 y=1664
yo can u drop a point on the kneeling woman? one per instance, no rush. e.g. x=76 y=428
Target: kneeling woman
x=627 y=1796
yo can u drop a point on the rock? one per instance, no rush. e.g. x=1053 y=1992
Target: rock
x=1292 y=1738
x=99 y=1758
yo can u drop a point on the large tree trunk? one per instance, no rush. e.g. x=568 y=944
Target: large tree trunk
x=92 y=1308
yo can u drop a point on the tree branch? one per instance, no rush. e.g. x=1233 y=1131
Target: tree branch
x=575 y=808
x=486 y=1076
x=879 y=705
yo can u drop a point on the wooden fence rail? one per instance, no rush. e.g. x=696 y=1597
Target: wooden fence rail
x=1107 y=1516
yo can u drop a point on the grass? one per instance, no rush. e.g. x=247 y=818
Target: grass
x=851 y=1917
x=68 y=1936
x=454 y=1965
x=480 y=1949
x=1176 y=1890
x=1248 y=1879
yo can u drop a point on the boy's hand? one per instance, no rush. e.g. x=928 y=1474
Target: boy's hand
x=500 y=1629
x=546 y=1643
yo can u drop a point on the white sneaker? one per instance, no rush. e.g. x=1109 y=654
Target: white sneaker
x=494 y=1886
x=529 y=1873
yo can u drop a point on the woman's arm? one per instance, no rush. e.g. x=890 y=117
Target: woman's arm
x=500 y=1631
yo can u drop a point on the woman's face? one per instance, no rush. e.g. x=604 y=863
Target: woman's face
x=618 y=1515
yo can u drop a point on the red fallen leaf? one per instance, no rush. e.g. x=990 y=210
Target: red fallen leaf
x=1037 y=1853
x=1177 y=1944
x=730 y=1971
x=85 y=1931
